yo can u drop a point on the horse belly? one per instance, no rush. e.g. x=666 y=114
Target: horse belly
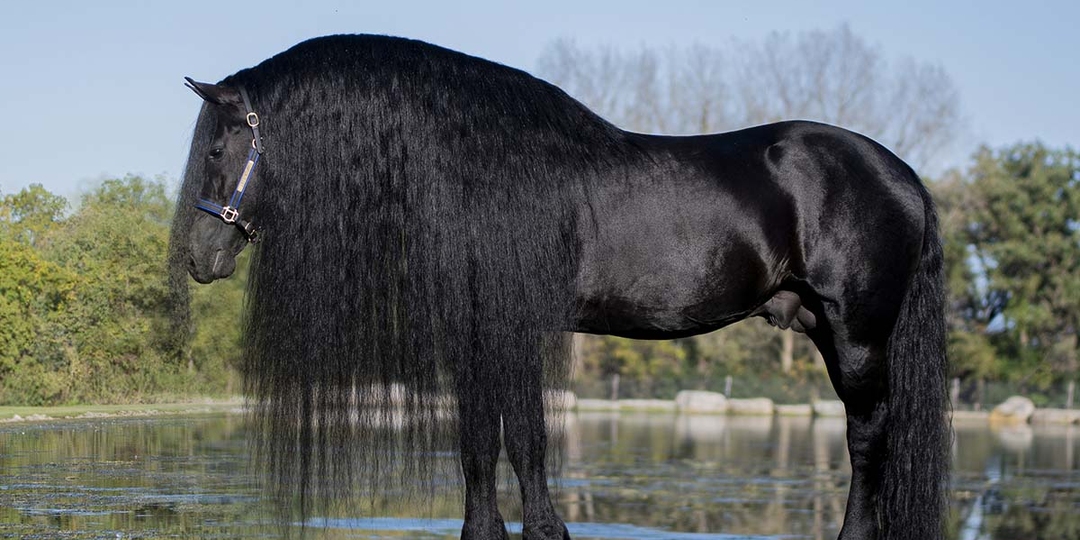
x=680 y=275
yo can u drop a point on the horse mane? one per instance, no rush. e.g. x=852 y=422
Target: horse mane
x=420 y=210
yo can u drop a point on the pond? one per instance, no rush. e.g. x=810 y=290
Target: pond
x=623 y=476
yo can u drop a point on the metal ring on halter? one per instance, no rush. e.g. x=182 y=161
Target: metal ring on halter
x=229 y=214
x=250 y=122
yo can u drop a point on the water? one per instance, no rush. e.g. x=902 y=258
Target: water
x=629 y=476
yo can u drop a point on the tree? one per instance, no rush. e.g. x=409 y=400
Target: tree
x=971 y=307
x=1024 y=229
x=830 y=76
x=117 y=243
x=84 y=304
x=34 y=299
x=29 y=215
x=646 y=368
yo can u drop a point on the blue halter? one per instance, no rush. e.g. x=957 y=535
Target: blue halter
x=230 y=213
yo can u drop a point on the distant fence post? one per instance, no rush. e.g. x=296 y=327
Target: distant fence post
x=614 y=386
x=727 y=386
x=1069 y=395
x=954 y=394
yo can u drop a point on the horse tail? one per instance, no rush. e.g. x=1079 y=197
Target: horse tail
x=913 y=497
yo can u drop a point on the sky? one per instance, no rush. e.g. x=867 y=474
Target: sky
x=92 y=90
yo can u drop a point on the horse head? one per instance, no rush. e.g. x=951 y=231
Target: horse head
x=224 y=174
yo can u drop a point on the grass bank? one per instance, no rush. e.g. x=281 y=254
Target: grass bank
x=16 y=413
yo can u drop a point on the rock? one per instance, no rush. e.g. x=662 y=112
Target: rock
x=752 y=406
x=1015 y=410
x=700 y=402
x=597 y=405
x=829 y=408
x=560 y=400
x=1060 y=417
x=651 y=405
x=803 y=409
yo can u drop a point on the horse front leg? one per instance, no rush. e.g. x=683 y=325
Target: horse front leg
x=479 y=439
x=525 y=438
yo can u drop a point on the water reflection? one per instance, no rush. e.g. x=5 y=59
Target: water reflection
x=737 y=475
x=635 y=476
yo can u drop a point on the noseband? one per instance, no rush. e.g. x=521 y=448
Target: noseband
x=230 y=213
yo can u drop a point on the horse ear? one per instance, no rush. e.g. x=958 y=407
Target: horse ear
x=214 y=93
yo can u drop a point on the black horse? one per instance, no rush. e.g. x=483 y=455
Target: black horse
x=430 y=224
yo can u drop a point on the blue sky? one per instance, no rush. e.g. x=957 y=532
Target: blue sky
x=95 y=89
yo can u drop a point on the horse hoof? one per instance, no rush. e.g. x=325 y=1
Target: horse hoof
x=545 y=531
x=490 y=530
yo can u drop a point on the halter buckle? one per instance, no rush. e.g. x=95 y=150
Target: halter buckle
x=252 y=120
x=229 y=214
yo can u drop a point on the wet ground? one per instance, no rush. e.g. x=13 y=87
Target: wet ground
x=629 y=476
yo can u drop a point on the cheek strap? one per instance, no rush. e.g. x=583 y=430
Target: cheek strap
x=230 y=213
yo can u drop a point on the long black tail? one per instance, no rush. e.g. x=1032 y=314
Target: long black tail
x=913 y=499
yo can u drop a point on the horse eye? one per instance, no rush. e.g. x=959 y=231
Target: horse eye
x=217 y=152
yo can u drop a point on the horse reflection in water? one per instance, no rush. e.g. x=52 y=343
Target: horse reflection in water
x=435 y=223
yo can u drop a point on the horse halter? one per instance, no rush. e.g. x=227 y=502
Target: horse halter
x=230 y=213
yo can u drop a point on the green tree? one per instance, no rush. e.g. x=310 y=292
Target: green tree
x=84 y=302
x=970 y=309
x=117 y=242
x=34 y=298
x=216 y=310
x=1025 y=236
x=645 y=368
x=29 y=215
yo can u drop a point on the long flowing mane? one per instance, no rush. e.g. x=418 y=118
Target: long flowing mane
x=420 y=209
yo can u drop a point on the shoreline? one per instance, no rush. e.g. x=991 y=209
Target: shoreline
x=568 y=402
x=16 y=414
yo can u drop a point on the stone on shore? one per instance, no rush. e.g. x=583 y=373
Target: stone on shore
x=700 y=402
x=752 y=406
x=1058 y=417
x=1015 y=410
x=802 y=409
x=829 y=408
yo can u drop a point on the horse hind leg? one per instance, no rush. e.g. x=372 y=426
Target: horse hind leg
x=887 y=363
x=525 y=439
x=479 y=440
x=857 y=372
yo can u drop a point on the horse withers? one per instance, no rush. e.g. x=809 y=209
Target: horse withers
x=434 y=222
